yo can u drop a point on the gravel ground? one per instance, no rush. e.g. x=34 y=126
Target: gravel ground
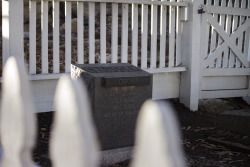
x=196 y=127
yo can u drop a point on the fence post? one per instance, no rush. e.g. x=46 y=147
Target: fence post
x=17 y=120
x=191 y=35
x=12 y=29
x=74 y=141
x=157 y=137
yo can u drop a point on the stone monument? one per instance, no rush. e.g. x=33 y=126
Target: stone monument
x=117 y=92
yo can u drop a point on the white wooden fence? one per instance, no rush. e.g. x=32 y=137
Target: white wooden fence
x=74 y=141
x=188 y=53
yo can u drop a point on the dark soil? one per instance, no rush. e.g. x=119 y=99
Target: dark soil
x=196 y=128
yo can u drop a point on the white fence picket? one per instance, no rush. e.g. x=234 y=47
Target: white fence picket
x=178 y=36
x=157 y=137
x=247 y=39
x=241 y=37
x=153 y=57
x=67 y=36
x=163 y=24
x=44 y=29
x=80 y=35
x=171 y=35
x=114 y=40
x=124 y=38
x=228 y=31
x=56 y=20
x=91 y=32
x=134 y=28
x=103 y=32
x=74 y=141
x=17 y=120
x=220 y=40
x=32 y=37
x=144 y=36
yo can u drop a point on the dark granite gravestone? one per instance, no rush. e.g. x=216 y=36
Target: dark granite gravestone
x=117 y=92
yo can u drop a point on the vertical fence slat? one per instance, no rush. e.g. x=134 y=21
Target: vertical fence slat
x=73 y=123
x=213 y=35
x=32 y=38
x=157 y=137
x=171 y=35
x=124 y=38
x=67 y=36
x=44 y=29
x=163 y=36
x=247 y=40
x=205 y=40
x=134 y=34
x=220 y=40
x=91 y=32
x=232 y=57
x=17 y=120
x=114 y=40
x=144 y=36
x=153 y=56
x=178 y=36
x=103 y=32
x=80 y=36
x=228 y=26
x=56 y=67
x=241 y=37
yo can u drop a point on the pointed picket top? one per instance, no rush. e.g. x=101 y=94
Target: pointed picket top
x=157 y=137
x=17 y=122
x=74 y=141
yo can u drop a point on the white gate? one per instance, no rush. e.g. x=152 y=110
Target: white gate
x=225 y=49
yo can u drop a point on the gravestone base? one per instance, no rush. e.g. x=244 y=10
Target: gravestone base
x=110 y=157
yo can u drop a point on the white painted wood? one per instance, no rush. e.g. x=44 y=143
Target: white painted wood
x=67 y=36
x=228 y=38
x=163 y=36
x=32 y=37
x=124 y=38
x=226 y=72
x=224 y=83
x=144 y=36
x=134 y=60
x=80 y=30
x=12 y=30
x=213 y=36
x=232 y=56
x=17 y=116
x=157 y=137
x=227 y=10
x=178 y=34
x=227 y=30
x=103 y=32
x=171 y=35
x=223 y=94
x=56 y=24
x=220 y=40
x=204 y=40
x=73 y=122
x=153 y=56
x=91 y=33
x=44 y=30
x=5 y=31
x=247 y=41
x=165 y=69
x=240 y=39
x=114 y=40
x=185 y=4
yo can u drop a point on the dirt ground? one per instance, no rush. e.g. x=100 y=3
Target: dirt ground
x=196 y=128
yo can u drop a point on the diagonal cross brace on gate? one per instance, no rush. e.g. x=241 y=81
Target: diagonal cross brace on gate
x=227 y=38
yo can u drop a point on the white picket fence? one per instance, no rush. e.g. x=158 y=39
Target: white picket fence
x=74 y=141
x=194 y=49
